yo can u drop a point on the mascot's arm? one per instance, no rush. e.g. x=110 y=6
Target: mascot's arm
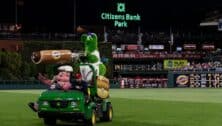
x=102 y=69
x=83 y=37
x=92 y=58
x=44 y=80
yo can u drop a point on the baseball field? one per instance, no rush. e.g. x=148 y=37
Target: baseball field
x=132 y=107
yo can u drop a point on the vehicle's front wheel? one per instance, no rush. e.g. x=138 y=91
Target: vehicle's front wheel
x=50 y=121
x=92 y=120
x=108 y=114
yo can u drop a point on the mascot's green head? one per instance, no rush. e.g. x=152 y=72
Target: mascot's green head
x=91 y=49
x=90 y=42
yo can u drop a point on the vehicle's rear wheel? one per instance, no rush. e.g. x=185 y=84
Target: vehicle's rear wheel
x=92 y=120
x=50 y=121
x=108 y=114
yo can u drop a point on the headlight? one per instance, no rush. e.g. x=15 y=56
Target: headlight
x=45 y=103
x=73 y=104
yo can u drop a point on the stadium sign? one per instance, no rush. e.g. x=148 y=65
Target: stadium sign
x=197 y=79
x=182 y=80
x=174 y=64
x=121 y=18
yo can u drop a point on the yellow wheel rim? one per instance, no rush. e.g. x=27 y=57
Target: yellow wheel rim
x=93 y=118
x=88 y=91
x=110 y=114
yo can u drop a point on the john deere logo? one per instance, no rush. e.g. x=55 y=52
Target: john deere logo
x=120 y=7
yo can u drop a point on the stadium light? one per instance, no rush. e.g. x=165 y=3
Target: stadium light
x=220 y=25
x=212 y=23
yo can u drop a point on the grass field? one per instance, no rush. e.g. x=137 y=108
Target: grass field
x=132 y=107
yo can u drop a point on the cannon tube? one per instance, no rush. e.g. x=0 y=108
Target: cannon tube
x=51 y=56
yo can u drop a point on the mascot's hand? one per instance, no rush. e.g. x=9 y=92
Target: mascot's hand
x=44 y=79
x=41 y=77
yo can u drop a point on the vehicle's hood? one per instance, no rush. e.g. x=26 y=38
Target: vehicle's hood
x=61 y=95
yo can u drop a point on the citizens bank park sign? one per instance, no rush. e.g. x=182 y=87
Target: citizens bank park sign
x=121 y=17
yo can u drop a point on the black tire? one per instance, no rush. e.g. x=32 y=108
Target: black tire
x=49 y=121
x=92 y=120
x=108 y=114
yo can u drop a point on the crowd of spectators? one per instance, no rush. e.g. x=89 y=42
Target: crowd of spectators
x=121 y=36
x=151 y=66
x=202 y=66
x=158 y=54
x=43 y=36
x=13 y=28
x=158 y=66
x=38 y=36
x=14 y=31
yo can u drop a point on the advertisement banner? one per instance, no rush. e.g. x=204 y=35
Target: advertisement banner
x=198 y=80
x=189 y=46
x=181 y=80
x=208 y=47
x=156 y=47
x=174 y=64
x=132 y=47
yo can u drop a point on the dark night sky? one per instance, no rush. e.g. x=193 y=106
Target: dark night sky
x=58 y=15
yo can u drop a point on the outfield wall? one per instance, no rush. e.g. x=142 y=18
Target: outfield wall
x=181 y=79
x=34 y=85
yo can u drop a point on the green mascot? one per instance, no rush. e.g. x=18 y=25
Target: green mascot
x=92 y=57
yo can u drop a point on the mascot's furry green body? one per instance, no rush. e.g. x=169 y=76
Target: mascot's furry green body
x=92 y=57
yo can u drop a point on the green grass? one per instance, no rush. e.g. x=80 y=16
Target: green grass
x=132 y=107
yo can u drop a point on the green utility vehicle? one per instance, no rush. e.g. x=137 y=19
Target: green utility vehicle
x=73 y=106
